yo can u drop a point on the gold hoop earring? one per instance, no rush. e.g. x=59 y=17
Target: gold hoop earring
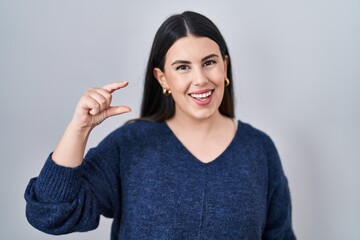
x=166 y=92
x=227 y=82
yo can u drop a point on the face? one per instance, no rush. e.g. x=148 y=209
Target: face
x=195 y=73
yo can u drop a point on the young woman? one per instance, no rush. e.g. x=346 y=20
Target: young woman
x=184 y=170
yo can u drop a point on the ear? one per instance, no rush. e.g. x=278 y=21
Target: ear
x=160 y=76
x=226 y=62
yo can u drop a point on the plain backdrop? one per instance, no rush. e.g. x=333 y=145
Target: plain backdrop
x=296 y=76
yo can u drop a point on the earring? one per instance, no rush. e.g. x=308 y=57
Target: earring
x=227 y=82
x=166 y=92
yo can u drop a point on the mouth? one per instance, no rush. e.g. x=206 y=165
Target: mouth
x=201 y=96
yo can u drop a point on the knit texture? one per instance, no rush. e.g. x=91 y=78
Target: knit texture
x=154 y=188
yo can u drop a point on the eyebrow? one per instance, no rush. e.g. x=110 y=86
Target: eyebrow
x=188 y=62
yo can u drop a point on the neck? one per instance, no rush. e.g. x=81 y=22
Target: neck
x=197 y=126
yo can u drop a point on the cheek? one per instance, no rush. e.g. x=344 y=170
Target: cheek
x=218 y=73
x=219 y=77
x=178 y=83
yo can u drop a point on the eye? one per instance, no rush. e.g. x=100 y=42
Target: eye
x=182 y=67
x=208 y=63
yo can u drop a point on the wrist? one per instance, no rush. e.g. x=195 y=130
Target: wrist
x=70 y=150
x=78 y=129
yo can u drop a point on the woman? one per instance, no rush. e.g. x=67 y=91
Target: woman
x=185 y=170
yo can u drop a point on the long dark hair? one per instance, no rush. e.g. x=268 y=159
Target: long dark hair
x=155 y=105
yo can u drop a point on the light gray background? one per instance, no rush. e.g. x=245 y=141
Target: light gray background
x=296 y=76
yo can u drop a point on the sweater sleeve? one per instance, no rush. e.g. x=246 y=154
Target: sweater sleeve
x=278 y=222
x=63 y=200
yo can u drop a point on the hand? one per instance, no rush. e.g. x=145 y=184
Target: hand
x=94 y=106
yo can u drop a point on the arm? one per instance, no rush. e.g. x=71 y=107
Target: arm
x=70 y=194
x=92 y=109
x=279 y=220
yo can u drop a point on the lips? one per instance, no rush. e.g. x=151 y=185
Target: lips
x=201 y=95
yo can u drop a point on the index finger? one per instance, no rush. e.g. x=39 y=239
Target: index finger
x=112 y=87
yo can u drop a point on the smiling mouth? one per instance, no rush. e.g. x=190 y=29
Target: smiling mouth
x=201 y=96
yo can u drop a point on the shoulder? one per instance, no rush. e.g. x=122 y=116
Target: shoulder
x=136 y=131
x=257 y=141
x=131 y=135
x=261 y=142
x=255 y=136
x=140 y=128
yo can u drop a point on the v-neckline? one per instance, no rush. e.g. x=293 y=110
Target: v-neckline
x=184 y=149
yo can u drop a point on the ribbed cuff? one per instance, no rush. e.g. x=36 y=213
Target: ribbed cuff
x=57 y=183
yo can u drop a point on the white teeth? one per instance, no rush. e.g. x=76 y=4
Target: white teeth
x=202 y=95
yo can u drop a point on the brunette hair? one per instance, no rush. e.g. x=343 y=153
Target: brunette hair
x=155 y=105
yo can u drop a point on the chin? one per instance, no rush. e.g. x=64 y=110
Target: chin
x=204 y=115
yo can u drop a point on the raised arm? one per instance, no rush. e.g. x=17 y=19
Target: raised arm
x=93 y=108
x=70 y=195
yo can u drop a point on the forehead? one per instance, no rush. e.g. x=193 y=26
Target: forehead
x=192 y=48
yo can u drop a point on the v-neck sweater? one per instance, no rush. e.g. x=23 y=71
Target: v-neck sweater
x=154 y=188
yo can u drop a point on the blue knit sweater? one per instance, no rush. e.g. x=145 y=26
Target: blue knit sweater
x=154 y=188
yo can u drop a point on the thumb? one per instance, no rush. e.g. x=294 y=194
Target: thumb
x=117 y=110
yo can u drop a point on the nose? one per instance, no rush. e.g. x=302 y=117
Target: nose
x=200 y=78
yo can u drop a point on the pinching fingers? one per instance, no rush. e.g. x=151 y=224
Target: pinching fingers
x=112 y=87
